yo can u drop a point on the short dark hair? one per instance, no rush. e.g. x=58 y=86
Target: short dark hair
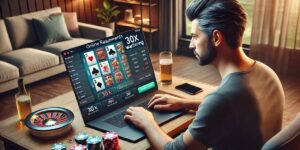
x=227 y=16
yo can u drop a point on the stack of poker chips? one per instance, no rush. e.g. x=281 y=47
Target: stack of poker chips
x=110 y=141
x=58 y=146
x=94 y=143
x=81 y=138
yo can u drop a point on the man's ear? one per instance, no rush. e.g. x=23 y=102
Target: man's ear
x=217 y=38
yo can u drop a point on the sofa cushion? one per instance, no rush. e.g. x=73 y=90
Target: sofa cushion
x=8 y=71
x=51 y=29
x=21 y=30
x=5 y=44
x=30 y=60
x=71 y=22
x=57 y=48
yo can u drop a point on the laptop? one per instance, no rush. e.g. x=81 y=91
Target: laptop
x=110 y=75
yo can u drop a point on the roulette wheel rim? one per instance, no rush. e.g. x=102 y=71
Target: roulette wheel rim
x=46 y=129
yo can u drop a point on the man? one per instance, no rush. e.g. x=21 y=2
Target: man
x=246 y=109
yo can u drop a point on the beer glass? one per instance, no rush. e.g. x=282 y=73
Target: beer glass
x=24 y=107
x=165 y=65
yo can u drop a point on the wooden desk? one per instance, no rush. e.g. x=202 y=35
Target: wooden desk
x=14 y=134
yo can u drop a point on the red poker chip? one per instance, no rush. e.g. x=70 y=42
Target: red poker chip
x=110 y=141
x=110 y=135
x=78 y=147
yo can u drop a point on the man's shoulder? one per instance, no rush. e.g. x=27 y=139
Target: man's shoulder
x=263 y=74
x=264 y=68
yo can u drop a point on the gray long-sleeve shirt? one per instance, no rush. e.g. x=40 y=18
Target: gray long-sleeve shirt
x=243 y=113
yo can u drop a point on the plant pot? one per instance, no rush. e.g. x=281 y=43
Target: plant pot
x=110 y=25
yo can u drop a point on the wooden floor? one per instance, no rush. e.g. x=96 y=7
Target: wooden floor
x=186 y=67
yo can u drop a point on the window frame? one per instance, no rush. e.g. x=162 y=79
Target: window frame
x=184 y=35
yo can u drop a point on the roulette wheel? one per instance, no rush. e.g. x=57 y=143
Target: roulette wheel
x=50 y=122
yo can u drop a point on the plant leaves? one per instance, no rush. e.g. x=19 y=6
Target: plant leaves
x=115 y=12
x=114 y=7
x=107 y=12
x=106 y=4
x=101 y=16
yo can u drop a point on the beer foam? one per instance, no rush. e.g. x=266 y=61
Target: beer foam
x=165 y=61
x=23 y=98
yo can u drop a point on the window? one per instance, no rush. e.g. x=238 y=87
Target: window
x=247 y=4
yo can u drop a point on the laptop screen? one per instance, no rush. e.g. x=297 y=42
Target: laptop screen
x=108 y=73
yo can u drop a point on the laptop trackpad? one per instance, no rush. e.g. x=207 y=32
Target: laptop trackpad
x=161 y=117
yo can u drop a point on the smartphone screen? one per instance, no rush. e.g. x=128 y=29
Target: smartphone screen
x=188 y=88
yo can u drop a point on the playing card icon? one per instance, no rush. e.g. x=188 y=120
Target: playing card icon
x=105 y=67
x=109 y=80
x=101 y=54
x=90 y=58
x=120 y=48
x=118 y=76
x=111 y=52
x=95 y=71
x=99 y=84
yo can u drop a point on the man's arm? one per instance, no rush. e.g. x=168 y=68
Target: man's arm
x=160 y=140
x=144 y=120
x=191 y=143
x=157 y=138
x=191 y=104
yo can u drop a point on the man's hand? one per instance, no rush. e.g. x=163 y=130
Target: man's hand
x=144 y=119
x=140 y=117
x=166 y=102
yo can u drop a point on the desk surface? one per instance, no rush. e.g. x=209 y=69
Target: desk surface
x=18 y=135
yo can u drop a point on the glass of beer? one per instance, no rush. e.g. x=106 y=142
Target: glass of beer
x=165 y=65
x=24 y=107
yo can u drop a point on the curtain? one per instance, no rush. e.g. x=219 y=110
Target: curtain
x=170 y=13
x=275 y=34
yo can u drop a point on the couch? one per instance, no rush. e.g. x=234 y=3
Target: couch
x=21 y=55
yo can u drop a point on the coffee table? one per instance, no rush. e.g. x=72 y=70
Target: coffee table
x=16 y=135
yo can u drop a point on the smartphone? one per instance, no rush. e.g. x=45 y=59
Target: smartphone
x=188 y=88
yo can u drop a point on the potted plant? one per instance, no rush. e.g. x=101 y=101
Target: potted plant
x=107 y=14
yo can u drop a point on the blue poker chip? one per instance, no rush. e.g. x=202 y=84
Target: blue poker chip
x=81 y=138
x=94 y=140
x=93 y=143
x=58 y=146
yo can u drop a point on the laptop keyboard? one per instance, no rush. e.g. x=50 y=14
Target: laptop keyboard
x=144 y=105
x=118 y=119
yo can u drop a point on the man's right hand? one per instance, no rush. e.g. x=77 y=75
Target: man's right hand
x=166 y=102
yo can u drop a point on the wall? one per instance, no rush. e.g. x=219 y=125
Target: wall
x=85 y=8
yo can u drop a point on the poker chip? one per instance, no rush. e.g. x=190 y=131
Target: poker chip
x=110 y=141
x=58 y=146
x=78 y=147
x=93 y=143
x=81 y=138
